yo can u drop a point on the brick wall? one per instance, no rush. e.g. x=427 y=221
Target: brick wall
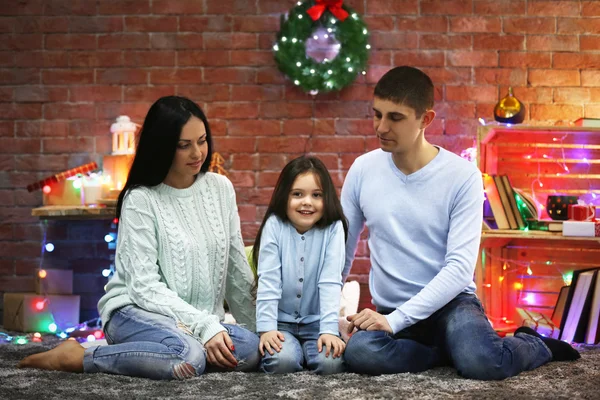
x=69 y=67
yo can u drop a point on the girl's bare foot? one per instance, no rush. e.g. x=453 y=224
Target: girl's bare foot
x=67 y=356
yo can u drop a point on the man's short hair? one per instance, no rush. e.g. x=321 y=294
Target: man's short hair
x=407 y=85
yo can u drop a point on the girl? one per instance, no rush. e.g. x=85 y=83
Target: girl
x=299 y=250
x=179 y=254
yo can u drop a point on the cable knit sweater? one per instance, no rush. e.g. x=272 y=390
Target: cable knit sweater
x=180 y=253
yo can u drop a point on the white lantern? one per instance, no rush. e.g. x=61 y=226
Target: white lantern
x=123 y=131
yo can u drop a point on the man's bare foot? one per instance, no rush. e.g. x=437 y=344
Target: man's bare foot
x=67 y=356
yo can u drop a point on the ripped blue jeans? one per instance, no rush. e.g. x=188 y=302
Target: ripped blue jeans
x=150 y=345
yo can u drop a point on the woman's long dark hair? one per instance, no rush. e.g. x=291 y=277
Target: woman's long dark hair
x=332 y=208
x=157 y=143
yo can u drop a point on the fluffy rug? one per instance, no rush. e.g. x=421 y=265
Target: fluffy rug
x=558 y=380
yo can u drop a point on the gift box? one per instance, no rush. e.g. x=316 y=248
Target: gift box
x=31 y=312
x=581 y=228
x=538 y=322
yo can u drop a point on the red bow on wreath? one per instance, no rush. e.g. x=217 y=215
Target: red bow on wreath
x=334 y=6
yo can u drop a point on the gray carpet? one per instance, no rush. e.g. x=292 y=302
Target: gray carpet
x=558 y=380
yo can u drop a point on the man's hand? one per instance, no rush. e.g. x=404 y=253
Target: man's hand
x=219 y=351
x=368 y=320
x=270 y=341
x=333 y=345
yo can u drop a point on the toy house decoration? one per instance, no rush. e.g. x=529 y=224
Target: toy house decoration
x=123 y=138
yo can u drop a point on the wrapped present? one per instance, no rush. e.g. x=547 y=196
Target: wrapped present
x=538 y=322
x=581 y=228
x=61 y=176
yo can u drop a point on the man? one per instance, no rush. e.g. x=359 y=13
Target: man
x=423 y=207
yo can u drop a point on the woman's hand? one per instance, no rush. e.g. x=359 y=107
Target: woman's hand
x=333 y=345
x=270 y=341
x=219 y=351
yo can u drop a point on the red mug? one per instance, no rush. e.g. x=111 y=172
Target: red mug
x=581 y=212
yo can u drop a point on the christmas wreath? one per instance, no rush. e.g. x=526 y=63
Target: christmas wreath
x=334 y=19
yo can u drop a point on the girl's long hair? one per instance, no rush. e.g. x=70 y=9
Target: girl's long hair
x=332 y=208
x=157 y=143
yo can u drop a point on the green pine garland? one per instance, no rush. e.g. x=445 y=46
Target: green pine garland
x=311 y=76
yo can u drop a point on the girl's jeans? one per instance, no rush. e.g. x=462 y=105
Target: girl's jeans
x=150 y=345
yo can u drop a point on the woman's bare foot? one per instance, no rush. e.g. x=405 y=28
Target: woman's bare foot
x=67 y=356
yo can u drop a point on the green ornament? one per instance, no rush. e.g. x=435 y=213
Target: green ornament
x=313 y=76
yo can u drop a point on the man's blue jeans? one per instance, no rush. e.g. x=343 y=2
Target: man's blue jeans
x=299 y=348
x=458 y=334
x=150 y=345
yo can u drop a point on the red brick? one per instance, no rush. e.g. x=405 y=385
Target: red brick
x=212 y=58
x=572 y=26
x=235 y=145
x=342 y=110
x=21 y=42
x=285 y=110
x=256 y=93
x=70 y=42
x=205 y=92
x=589 y=43
x=246 y=162
x=8 y=24
x=16 y=284
x=7 y=267
x=553 y=8
x=20 y=111
x=576 y=60
x=7 y=163
x=499 y=42
x=338 y=144
x=16 y=215
x=95 y=24
x=7 y=197
x=88 y=128
x=83 y=59
x=441 y=76
x=229 y=75
x=247 y=213
x=212 y=23
x=590 y=78
x=69 y=7
x=540 y=95
x=261 y=23
x=430 y=41
x=67 y=76
x=354 y=127
x=523 y=60
x=19 y=76
x=42 y=24
x=69 y=111
x=157 y=58
x=553 y=43
x=129 y=76
x=108 y=111
x=590 y=9
x=394 y=40
x=379 y=23
x=475 y=24
x=18 y=7
x=230 y=41
x=232 y=110
x=252 y=58
x=392 y=7
x=267 y=179
x=42 y=162
x=46 y=59
x=95 y=93
x=452 y=109
x=70 y=145
x=269 y=75
x=446 y=7
x=592 y=111
x=542 y=112
x=325 y=127
x=282 y=145
x=254 y=128
x=119 y=7
x=25 y=198
x=572 y=95
x=421 y=24
x=7 y=59
x=40 y=94
x=19 y=145
x=298 y=127
x=176 y=40
x=230 y=7
x=419 y=58
x=465 y=58
x=467 y=127
x=124 y=41
x=500 y=7
x=436 y=128
x=472 y=93
x=380 y=57
x=272 y=162
x=242 y=178
x=146 y=93
x=148 y=23
x=545 y=77
x=103 y=145
x=274 y=6
x=7 y=128
x=529 y=25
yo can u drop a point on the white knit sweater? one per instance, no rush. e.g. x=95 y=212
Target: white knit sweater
x=180 y=253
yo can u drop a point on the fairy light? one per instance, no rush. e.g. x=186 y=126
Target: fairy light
x=49 y=247
x=47 y=189
x=42 y=273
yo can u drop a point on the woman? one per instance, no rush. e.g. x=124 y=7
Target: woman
x=179 y=255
